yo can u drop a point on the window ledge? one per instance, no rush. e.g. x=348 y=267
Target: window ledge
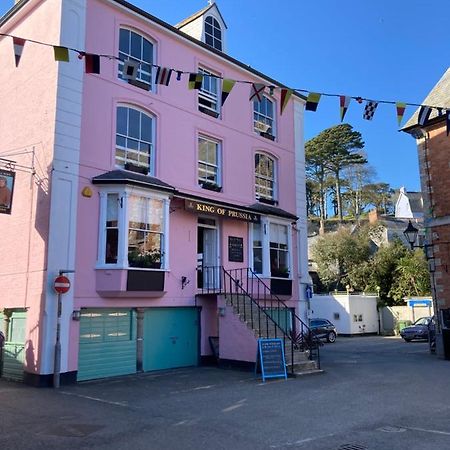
x=140 y=84
x=267 y=201
x=266 y=135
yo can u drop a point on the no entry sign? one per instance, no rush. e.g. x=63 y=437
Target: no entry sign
x=61 y=284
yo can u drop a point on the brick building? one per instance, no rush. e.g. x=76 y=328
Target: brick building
x=433 y=144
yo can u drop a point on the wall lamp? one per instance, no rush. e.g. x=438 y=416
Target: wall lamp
x=410 y=233
x=184 y=282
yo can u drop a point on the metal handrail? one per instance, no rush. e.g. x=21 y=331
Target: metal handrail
x=270 y=310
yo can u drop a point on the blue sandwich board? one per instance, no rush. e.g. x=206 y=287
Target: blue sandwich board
x=270 y=356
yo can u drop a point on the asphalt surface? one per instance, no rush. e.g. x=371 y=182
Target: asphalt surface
x=375 y=393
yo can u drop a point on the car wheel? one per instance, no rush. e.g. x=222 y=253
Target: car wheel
x=331 y=336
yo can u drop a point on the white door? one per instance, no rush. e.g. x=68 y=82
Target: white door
x=208 y=248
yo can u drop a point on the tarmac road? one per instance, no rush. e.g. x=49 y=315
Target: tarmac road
x=376 y=393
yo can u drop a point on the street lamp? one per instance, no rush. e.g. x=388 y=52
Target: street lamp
x=411 y=234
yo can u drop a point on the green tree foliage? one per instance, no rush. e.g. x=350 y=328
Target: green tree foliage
x=411 y=277
x=331 y=151
x=337 y=254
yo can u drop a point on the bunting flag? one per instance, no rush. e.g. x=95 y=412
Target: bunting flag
x=227 y=86
x=163 y=76
x=447 y=120
x=424 y=114
x=130 y=69
x=19 y=44
x=257 y=91
x=92 y=63
x=61 y=53
x=285 y=96
x=369 y=110
x=312 y=101
x=195 y=81
x=400 y=111
x=344 y=101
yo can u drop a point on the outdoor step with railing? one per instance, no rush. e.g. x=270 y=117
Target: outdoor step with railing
x=266 y=315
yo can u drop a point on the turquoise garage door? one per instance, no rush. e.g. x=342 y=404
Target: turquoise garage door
x=107 y=343
x=14 y=347
x=171 y=338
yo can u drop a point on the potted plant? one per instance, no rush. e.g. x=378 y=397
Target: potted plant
x=148 y=260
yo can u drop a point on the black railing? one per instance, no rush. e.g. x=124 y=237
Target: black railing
x=264 y=311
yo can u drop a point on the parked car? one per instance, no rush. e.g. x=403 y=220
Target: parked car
x=420 y=329
x=323 y=329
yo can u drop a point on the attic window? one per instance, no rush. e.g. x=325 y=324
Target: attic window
x=213 y=33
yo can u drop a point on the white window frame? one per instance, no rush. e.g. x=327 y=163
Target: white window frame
x=124 y=192
x=265 y=229
x=217 y=167
x=273 y=180
x=151 y=163
x=144 y=77
x=264 y=123
x=215 y=41
x=207 y=95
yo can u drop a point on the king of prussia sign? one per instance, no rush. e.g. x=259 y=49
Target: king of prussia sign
x=222 y=211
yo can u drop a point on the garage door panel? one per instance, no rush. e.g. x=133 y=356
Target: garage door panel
x=170 y=338
x=107 y=343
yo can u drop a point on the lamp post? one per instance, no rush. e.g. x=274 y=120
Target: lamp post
x=411 y=234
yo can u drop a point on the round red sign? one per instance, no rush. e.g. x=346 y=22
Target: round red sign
x=61 y=284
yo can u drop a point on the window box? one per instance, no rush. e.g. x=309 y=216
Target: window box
x=267 y=201
x=122 y=283
x=138 y=169
x=211 y=187
x=267 y=135
x=280 y=287
x=214 y=114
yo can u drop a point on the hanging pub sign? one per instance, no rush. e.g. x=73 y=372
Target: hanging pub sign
x=6 y=190
x=219 y=210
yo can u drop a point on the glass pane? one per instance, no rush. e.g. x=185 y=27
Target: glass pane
x=208 y=40
x=122 y=118
x=257 y=235
x=133 y=145
x=146 y=128
x=112 y=239
x=147 y=51
x=202 y=150
x=112 y=207
x=134 y=123
x=156 y=215
x=136 y=45
x=124 y=41
x=120 y=141
x=257 y=260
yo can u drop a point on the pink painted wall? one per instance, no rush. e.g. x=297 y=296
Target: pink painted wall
x=237 y=341
x=178 y=124
x=28 y=95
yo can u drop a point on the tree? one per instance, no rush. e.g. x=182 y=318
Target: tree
x=336 y=255
x=411 y=277
x=332 y=150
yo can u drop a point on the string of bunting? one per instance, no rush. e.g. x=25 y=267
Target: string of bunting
x=195 y=80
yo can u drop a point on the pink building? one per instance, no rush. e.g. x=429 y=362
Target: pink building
x=179 y=219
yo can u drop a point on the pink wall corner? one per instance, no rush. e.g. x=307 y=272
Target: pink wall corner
x=237 y=341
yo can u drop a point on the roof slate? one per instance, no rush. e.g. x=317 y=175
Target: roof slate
x=439 y=96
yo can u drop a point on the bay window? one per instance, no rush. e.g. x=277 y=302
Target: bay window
x=271 y=248
x=133 y=229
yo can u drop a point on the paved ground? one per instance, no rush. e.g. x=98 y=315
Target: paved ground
x=376 y=393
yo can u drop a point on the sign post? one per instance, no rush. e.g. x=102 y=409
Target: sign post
x=61 y=285
x=270 y=355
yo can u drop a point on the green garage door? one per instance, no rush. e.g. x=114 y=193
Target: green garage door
x=14 y=348
x=107 y=343
x=171 y=338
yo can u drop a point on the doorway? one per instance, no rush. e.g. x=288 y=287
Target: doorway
x=208 y=274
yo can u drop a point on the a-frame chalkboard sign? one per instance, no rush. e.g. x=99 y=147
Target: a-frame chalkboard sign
x=270 y=357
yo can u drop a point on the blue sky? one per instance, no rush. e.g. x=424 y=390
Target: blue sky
x=382 y=50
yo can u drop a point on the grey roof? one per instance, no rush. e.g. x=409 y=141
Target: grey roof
x=439 y=96
x=137 y=179
x=197 y=15
x=172 y=29
x=272 y=210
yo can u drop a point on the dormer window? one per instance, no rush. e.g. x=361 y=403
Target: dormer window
x=213 y=33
